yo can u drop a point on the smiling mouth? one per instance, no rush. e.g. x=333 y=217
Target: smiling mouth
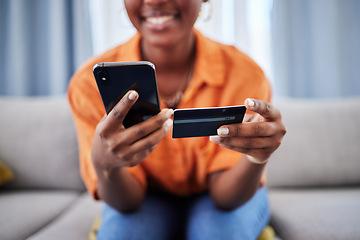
x=160 y=20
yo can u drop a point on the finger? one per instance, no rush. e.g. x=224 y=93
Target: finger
x=143 y=129
x=118 y=113
x=245 y=142
x=137 y=158
x=265 y=109
x=249 y=117
x=250 y=129
x=153 y=139
x=103 y=118
x=121 y=141
x=148 y=143
x=258 y=151
x=133 y=160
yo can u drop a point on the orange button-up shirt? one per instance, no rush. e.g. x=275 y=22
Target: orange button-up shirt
x=223 y=76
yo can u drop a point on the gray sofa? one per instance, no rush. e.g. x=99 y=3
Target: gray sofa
x=313 y=179
x=47 y=199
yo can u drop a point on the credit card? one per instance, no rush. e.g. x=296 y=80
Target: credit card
x=201 y=122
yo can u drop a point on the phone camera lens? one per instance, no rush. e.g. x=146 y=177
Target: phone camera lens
x=103 y=76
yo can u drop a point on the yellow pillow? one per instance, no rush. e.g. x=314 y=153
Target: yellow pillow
x=267 y=234
x=94 y=228
x=6 y=174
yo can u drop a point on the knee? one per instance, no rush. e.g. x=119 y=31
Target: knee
x=205 y=221
x=150 y=222
x=211 y=225
x=246 y=222
x=115 y=225
x=223 y=226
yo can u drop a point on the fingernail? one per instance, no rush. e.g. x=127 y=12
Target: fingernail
x=250 y=102
x=215 y=139
x=223 y=131
x=169 y=113
x=132 y=95
x=168 y=124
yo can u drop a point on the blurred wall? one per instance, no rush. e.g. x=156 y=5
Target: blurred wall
x=42 y=42
x=316 y=48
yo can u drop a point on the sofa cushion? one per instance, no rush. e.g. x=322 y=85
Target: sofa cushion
x=74 y=223
x=321 y=147
x=26 y=212
x=316 y=213
x=38 y=142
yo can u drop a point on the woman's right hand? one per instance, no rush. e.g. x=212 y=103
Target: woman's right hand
x=115 y=146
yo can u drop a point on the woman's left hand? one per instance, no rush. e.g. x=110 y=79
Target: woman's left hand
x=258 y=136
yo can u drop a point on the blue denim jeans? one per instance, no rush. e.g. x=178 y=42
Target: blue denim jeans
x=168 y=217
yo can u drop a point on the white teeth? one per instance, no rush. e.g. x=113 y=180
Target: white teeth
x=159 y=20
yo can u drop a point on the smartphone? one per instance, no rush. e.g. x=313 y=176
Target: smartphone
x=115 y=79
x=200 y=122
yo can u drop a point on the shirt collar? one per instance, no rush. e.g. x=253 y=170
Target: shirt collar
x=130 y=51
x=209 y=66
x=209 y=63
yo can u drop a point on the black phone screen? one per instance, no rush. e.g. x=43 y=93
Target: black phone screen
x=115 y=79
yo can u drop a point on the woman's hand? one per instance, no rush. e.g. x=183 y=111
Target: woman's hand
x=116 y=147
x=258 y=136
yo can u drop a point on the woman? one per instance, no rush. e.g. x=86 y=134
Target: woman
x=154 y=186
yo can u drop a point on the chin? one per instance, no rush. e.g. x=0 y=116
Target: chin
x=162 y=40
